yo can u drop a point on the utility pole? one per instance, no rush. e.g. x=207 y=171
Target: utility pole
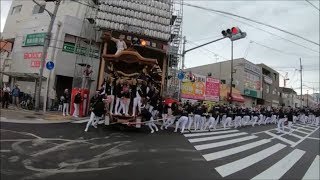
x=307 y=98
x=231 y=71
x=45 y=50
x=300 y=84
x=183 y=50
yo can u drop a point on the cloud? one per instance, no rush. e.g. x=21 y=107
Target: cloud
x=294 y=16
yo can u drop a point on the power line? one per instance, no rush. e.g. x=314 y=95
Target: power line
x=267 y=32
x=223 y=12
x=313 y=5
x=280 y=51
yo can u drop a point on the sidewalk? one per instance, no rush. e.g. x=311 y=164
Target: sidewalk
x=23 y=115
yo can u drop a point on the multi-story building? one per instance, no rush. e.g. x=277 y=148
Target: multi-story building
x=289 y=97
x=247 y=77
x=308 y=100
x=270 y=86
x=75 y=39
x=26 y=28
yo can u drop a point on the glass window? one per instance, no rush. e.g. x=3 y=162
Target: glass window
x=38 y=9
x=16 y=9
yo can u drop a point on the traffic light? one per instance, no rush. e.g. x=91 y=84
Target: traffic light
x=234 y=33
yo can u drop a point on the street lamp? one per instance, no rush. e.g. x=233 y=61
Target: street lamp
x=233 y=34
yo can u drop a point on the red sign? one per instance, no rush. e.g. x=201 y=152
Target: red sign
x=35 y=64
x=212 y=89
x=33 y=55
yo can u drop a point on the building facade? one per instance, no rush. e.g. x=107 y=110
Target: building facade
x=247 y=77
x=270 y=86
x=289 y=97
x=26 y=27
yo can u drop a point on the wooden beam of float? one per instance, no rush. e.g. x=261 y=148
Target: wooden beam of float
x=129 y=56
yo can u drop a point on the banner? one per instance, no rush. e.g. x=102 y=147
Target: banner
x=36 y=39
x=200 y=87
x=212 y=89
x=193 y=90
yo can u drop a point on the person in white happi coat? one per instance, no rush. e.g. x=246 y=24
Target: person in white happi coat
x=121 y=44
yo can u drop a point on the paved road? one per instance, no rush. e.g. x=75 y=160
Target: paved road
x=64 y=151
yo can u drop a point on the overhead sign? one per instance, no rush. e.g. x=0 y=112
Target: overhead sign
x=71 y=48
x=36 y=39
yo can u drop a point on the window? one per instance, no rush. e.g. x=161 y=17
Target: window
x=223 y=81
x=38 y=9
x=16 y=9
x=267 y=88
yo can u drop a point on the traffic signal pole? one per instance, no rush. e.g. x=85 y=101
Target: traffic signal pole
x=231 y=71
x=44 y=52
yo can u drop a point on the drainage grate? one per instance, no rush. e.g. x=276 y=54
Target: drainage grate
x=30 y=117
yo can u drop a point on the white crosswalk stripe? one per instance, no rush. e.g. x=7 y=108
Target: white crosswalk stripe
x=281 y=167
x=313 y=171
x=224 y=143
x=208 y=133
x=233 y=143
x=243 y=163
x=216 y=137
x=235 y=150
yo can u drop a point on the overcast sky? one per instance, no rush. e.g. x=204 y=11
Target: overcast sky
x=298 y=17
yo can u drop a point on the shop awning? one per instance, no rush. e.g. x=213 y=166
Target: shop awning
x=237 y=97
x=23 y=76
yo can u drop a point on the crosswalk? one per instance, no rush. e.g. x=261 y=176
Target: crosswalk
x=231 y=152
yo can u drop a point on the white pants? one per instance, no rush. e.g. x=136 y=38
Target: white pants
x=223 y=118
x=150 y=108
x=164 y=119
x=246 y=119
x=254 y=119
x=202 y=122
x=237 y=121
x=197 y=119
x=169 y=122
x=290 y=126
x=152 y=124
x=267 y=120
x=302 y=118
x=281 y=124
x=274 y=119
x=136 y=102
x=65 y=110
x=91 y=121
x=111 y=103
x=190 y=122
x=183 y=120
x=125 y=105
x=117 y=109
x=227 y=121
x=316 y=122
x=261 y=119
x=76 y=110
x=210 y=123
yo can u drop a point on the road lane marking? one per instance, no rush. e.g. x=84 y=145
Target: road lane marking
x=209 y=133
x=215 y=137
x=281 y=138
x=243 y=163
x=281 y=167
x=197 y=131
x=302 y=139
x=223 y=143
x=313 y=171
x=313 y=138
x=235 y=150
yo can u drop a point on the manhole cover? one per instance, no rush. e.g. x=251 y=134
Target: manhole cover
x=30 y=117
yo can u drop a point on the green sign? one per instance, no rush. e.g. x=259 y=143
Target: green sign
x=252 y=93
x=70 y=48
x=36 y=39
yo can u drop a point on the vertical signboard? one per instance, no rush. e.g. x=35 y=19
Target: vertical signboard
x=212 y=89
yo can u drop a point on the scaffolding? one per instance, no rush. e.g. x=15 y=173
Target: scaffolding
x=175 y=51
x=87 y=48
